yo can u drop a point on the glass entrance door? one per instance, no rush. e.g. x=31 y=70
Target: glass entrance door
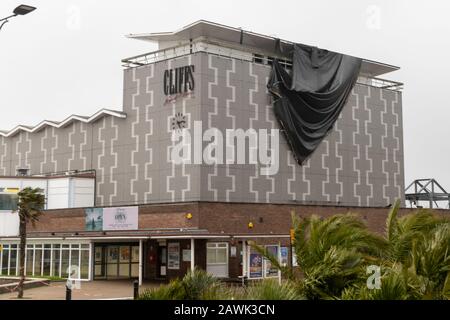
x=112 y=259
x=162 y=261
x=119 y=261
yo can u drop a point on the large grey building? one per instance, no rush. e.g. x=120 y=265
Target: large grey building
x=225 y=73
x=120 y=204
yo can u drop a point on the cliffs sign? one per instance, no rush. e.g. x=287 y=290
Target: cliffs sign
x=178 y=82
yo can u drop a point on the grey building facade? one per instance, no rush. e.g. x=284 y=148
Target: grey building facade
x=359 y=164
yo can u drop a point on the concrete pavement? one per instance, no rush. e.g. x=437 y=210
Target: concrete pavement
x=113 y=289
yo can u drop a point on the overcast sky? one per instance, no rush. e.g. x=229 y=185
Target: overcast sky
x=64 y=58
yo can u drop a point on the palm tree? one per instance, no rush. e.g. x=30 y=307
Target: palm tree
x=270 y=289
x=416 y=262
x=195 y=285
x=331 y=254
x=31 y=202
x=419 y=243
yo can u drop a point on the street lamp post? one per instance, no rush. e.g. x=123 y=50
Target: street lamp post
x=21 y=10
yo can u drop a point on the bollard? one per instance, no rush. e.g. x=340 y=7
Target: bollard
x=135 y=289
x=68 y=293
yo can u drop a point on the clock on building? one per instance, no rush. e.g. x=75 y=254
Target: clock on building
x=179 y=121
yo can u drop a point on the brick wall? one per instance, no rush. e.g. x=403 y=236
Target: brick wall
x=216 y=217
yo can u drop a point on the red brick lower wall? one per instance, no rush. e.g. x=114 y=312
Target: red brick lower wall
x=215 y=218
x=218 y=218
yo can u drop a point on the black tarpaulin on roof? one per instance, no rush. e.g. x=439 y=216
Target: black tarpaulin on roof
x=308 y=102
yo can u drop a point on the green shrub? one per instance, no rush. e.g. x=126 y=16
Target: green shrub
x=270 y=289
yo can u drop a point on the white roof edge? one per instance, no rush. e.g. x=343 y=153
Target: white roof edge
x=171 y=33
x=153 y=37
x=99 y=114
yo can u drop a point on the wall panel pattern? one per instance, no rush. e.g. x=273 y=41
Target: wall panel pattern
x=359 y=163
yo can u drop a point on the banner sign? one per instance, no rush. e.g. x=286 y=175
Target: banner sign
x=173 y=255
x=270 y=270
x=110 y=219
x=256 y=267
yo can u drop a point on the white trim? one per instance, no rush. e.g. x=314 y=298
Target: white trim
x=9 y=260
x=90 y=262
x=190 y=237
x=17 y=260
x=227 y=263
x=1 y=261
x=244 y=258
x=51 y=260
x=60 y=261
x=262 y=236
x=192 y=254
x=99 y=114
x=34 y=259
x=140 y=261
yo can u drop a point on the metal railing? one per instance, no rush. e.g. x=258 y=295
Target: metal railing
x=233 y=51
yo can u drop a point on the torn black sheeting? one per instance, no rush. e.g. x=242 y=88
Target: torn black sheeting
x=308 y=103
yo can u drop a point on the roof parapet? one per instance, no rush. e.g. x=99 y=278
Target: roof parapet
x=99 y=114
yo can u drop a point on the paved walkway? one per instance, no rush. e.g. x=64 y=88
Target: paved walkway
x=114 y=289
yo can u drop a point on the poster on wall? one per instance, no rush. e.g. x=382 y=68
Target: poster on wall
x=94 y=219
x=270 y=270
x=120 y=218
x=284 y=256
x=256 y=268
x=187 y=255
x=116 y=218
x=173 y=255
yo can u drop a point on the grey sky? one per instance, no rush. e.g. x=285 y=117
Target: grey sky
x=64 y=58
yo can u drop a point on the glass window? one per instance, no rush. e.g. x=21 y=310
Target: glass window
x=55 y=262
x=47 y=262
x=135 y=254
x=98 y=254
x=211 y=255
x=270 y=270
x=85 y=246
x=134 y=270
x=8 y=201
x=217 y=253
x=29 y=266
x=124 y=254
x=124 y=270
x=65 y=255
x=84 y=265
x=5 y=261
x=75 y=264
x=38 y=262
x=113 y=254
x=221 y=255
x=13 y=263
